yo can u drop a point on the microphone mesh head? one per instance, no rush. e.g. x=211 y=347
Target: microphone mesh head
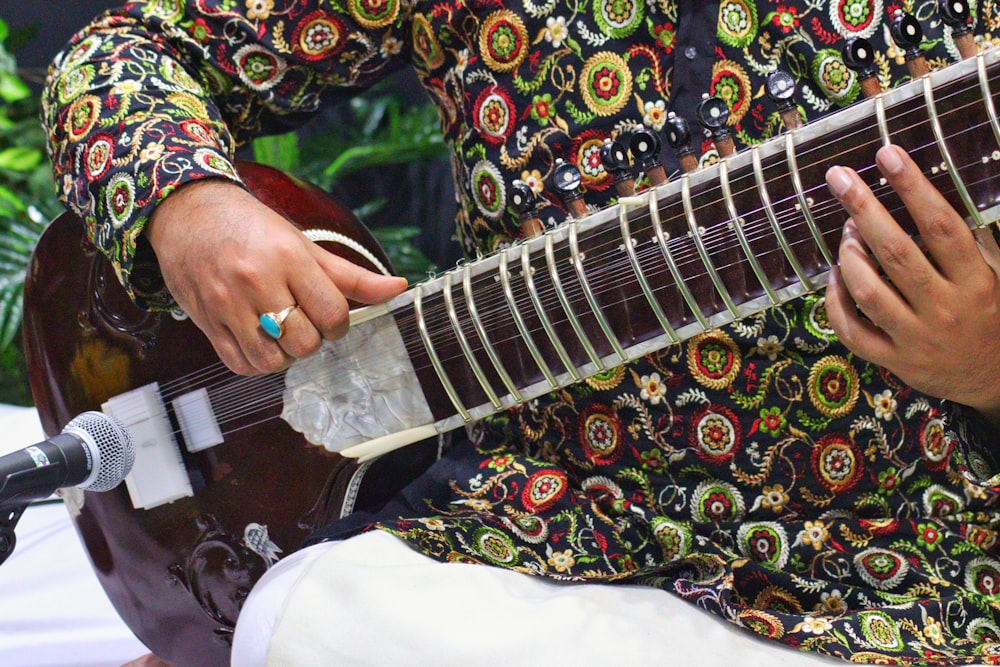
x=112 y=448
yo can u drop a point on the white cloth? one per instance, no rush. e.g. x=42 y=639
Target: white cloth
x=53 y=611
x=371 y=600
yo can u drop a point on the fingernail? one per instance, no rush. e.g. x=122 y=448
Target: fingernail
x=890 y=161
x=839 y=181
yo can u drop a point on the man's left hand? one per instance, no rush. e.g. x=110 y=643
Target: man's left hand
x=935 y=322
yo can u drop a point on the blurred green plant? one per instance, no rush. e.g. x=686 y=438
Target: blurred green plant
x=379 y=130
x=27 y=202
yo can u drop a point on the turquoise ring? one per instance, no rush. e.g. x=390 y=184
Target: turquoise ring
x=273 y=323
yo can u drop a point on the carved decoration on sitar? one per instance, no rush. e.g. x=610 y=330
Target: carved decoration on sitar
x=219 y=573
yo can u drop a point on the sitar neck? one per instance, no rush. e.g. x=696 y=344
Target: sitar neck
x=752 y=231
x=755 y=230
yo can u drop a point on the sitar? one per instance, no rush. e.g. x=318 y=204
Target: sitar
x=233 y=472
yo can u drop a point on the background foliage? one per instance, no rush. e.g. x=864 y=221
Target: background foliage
x=372 y=131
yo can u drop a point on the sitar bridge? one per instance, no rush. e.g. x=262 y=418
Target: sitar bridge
x=158 y=475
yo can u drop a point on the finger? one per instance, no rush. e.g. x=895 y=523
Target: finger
x=239 y=357
x=942 y=230
x=299 y=337
x=357 y=283
x=878 y=300
x=225 y=344
x=261 y=351
x=899 y=256
x=858 y=334
x=321 y=301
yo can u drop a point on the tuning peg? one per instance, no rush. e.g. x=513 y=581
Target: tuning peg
x=860 y=56
x=567 y=181
x=907 y=33
x=780 y=89
x=713 y=114
x=523 y=202
x=614 y=157
x=645 y=146
x=956 y=13
x=678 y=134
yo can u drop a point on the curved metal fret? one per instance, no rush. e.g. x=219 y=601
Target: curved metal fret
x=668 y=257
x=449 y=305
x=449 y=388
x=550 y=259
x=629 y=245
x=984 y=86
x=470 y=304
x=883 y=125
x=765 y=199
x=544 y=318
x=577 y=262
x=515 y=312
x=706 y=260
x=956 y=178
x=800 y=195
x=737 y=222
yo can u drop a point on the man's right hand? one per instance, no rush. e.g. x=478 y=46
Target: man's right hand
x=226 y=258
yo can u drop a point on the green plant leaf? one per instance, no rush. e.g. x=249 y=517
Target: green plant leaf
x=20 y=158
x=12 y=89
x=281 y=151
x=10 y=203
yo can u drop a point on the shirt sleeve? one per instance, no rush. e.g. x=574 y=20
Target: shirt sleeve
x=158 y=94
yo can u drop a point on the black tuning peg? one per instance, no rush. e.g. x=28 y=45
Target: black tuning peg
x=678 y=134
x=860 y=56
x=614 y=157
x=567 y=181
x=713 y=115
x=524 y=202
x=907 y=33
x=780 y=89
x=956 y=14
x=645 y=146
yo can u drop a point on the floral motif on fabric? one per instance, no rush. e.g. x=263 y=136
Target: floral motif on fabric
x=760 y=471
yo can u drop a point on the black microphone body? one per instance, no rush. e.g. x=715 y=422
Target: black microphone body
x=33 y=473
x=93 y=452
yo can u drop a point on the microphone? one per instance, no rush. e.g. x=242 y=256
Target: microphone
x=94 y=452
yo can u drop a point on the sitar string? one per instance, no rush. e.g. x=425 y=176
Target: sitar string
x=220 y=382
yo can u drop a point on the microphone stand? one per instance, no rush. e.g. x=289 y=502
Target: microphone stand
x=8 y=519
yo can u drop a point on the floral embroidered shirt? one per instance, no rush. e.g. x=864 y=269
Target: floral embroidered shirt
x=761 y=470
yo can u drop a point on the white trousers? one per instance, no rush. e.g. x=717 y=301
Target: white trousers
x=371 y=600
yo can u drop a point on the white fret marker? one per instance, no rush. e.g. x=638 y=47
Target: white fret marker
x=996 y=155
x=810 y=201
x=882 y=181
x=934 y=170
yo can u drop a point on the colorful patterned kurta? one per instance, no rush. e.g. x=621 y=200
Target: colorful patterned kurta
x=761 y=471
